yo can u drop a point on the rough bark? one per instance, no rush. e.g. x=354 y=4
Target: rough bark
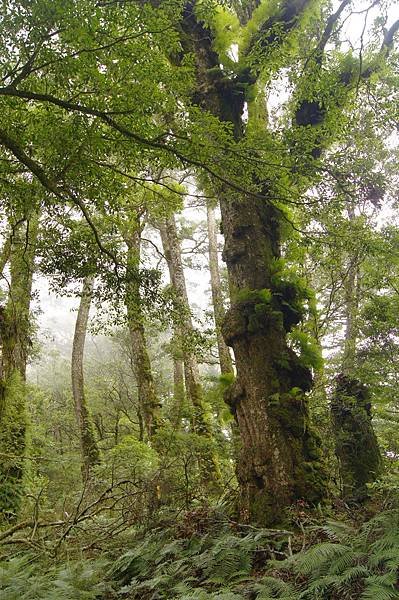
x=356 y=444
x=15 y=330
x=226 y=364
x=148 y=400
x=88 y=446
x=280 y=461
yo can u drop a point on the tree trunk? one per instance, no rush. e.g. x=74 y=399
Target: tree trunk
x=178 y=391
x=280 y=460
x=351 y=284
x=88 y=445
x=15 y=329
x=185 y=335
x=185 y=329
x=226 y=364
x=356 y=445
x=148 y=401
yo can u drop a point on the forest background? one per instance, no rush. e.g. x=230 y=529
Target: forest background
x=213 y=187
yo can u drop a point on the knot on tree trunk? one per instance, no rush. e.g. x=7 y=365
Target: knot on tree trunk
x=233 y=395
x=252 y=314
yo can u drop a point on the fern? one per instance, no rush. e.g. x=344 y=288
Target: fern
x=271 y=588
x=367 y=559
x=381 y=587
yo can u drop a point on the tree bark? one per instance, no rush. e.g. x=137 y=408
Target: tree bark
x=226 y=364
x=185 y=335
x=356 y=445
x=178 y=391
x=184 y=328
x=88 y=446
x=150 y=406
x=280 y=460
x=15 y=330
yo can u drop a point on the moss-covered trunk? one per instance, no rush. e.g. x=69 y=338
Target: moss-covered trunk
x=15 y=329
x=88 y=445
x=149 y=403
x=356 y=444
x=280 y=459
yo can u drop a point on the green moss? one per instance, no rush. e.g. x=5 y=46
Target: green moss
x=289 y=412
x=307 y=349
x=226 y=380
x=263 y=12
x=225 y=27
x=310 y=481
x=12 y=444
x=356 y=444
x=263 y=296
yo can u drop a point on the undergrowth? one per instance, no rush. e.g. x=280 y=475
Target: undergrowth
x=203 y=559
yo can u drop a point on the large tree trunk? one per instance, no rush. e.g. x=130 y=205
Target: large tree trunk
x=185 y=335
x=88 y=445
x=280 y=460
x=226 y=364
x=15 y=329
x=148 y=400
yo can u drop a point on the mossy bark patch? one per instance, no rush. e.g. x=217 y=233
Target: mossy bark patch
x=356 y=444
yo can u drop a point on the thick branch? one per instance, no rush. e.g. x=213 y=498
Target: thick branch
x=276 y=27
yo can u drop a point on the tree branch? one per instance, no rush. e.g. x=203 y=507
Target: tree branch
x=50 y=185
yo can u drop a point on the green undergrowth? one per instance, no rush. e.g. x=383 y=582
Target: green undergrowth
x=203 y=556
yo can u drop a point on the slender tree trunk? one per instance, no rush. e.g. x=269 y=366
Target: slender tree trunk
x=15 y=330
x=226 y=364
x=185 y=334
x=88 y=445
x=178 y=391
x=185 y=329
x=5 y=254
x=148 y=400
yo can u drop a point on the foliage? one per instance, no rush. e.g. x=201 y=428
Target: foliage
x=23 y=577
x=201 y=556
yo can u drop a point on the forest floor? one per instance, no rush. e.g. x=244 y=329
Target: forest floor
x=204 y=554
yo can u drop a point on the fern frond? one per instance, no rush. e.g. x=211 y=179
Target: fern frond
x=318 y=559
x=381 y=587
x=338 y=531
